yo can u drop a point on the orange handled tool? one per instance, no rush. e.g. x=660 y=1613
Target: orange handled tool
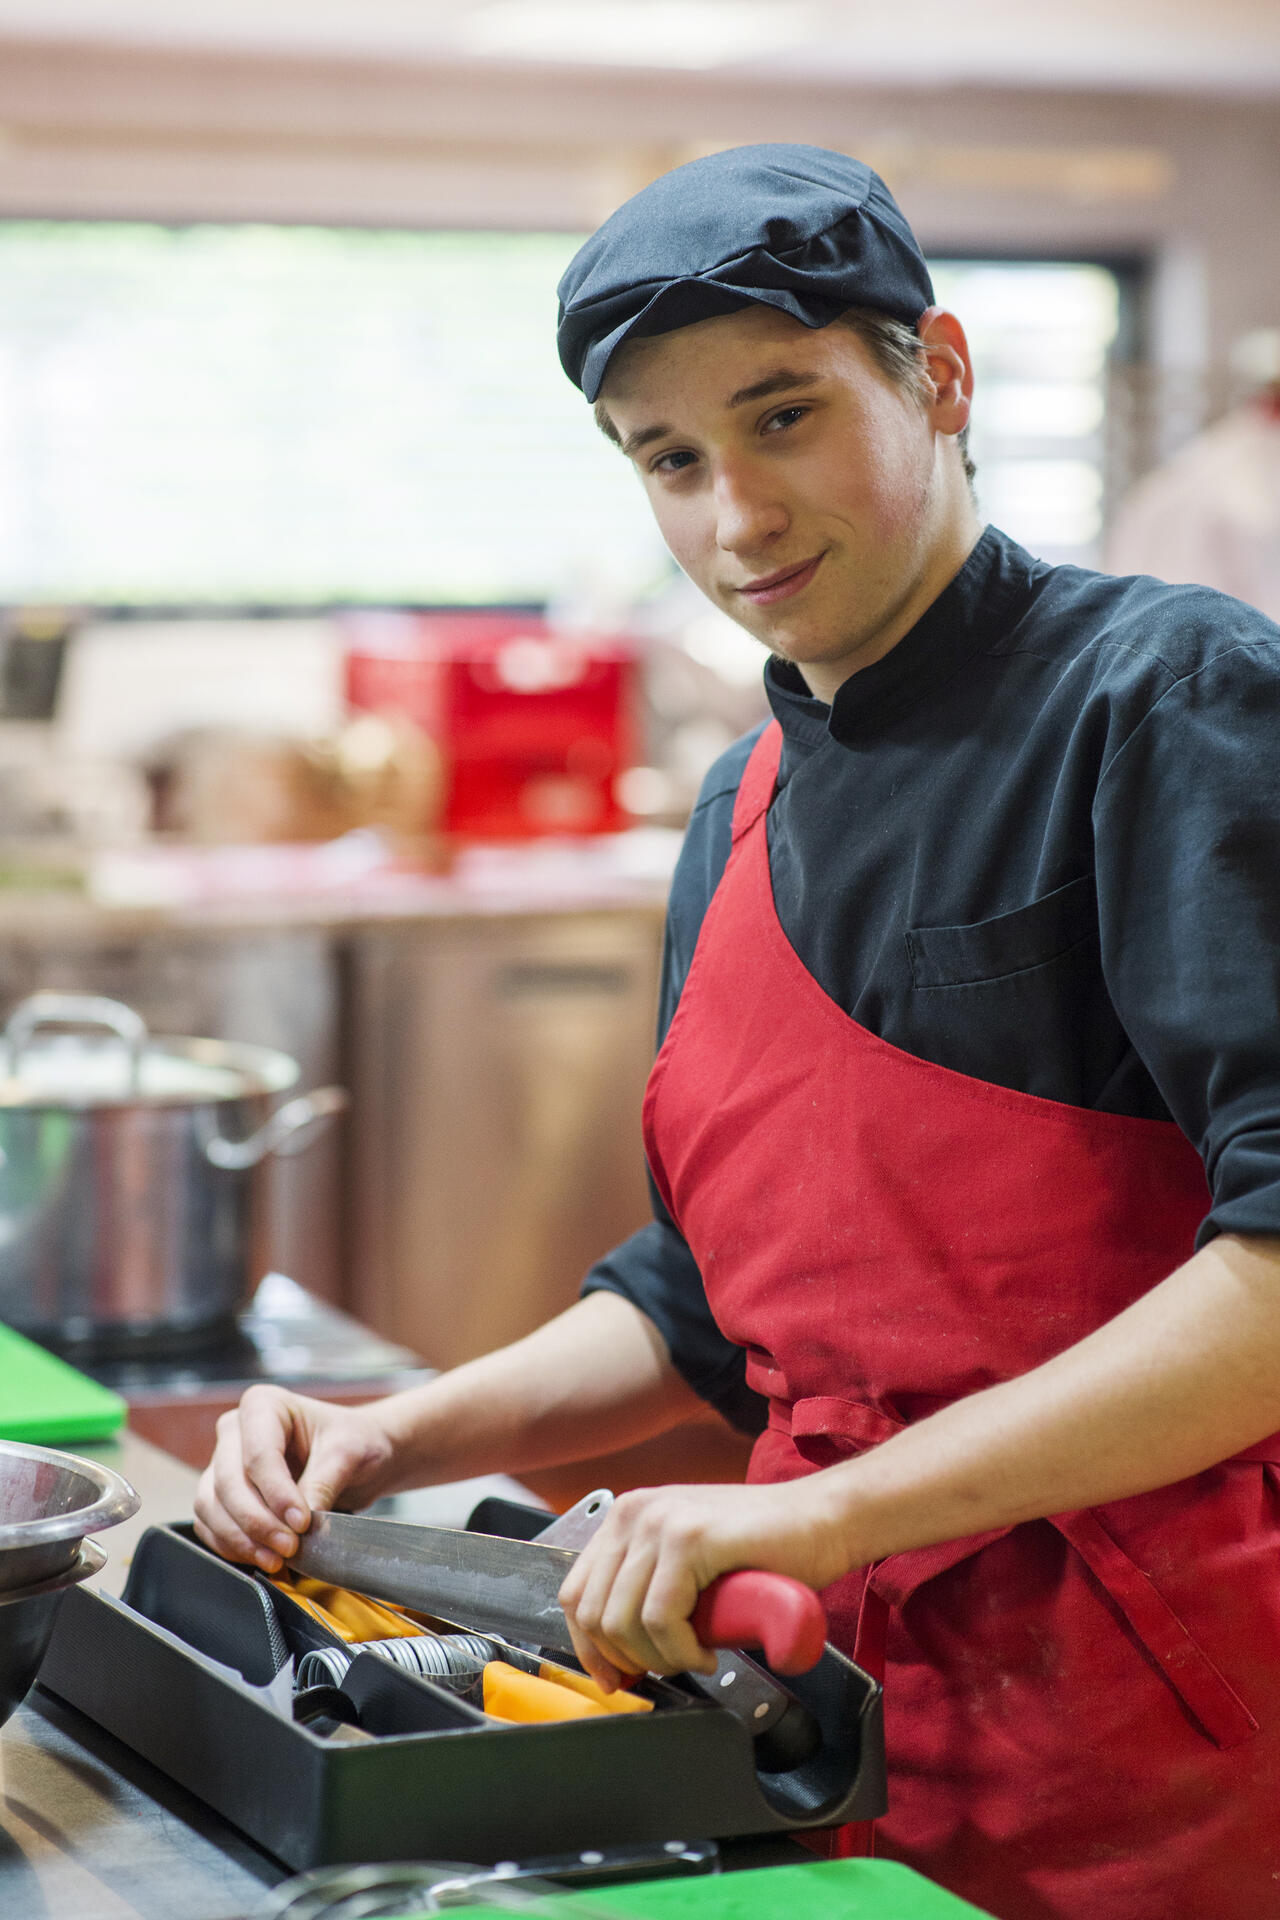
x=512 y=1695
x=767 y=1610
x=555 y=1693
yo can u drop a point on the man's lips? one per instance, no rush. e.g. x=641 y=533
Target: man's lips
x=780 y=586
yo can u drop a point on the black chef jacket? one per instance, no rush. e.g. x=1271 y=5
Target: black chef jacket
x=1038 y=843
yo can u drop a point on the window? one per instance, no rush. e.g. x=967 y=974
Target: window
x=1042 y=334
x=289 y=416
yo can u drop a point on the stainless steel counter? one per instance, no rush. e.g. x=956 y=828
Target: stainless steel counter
x=87 y=1830
x=90 y=1832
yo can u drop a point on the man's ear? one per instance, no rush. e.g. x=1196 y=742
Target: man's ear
x=949 y=366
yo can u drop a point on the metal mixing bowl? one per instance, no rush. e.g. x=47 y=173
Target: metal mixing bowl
x=27 y=1615
x=49 y=1501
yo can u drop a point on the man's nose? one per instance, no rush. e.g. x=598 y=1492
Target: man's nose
x=750 y=511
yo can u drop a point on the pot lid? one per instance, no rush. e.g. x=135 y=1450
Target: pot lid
x=73 y=1072
x=125 y=1066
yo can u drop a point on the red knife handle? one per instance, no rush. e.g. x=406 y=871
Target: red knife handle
x=766 y=1610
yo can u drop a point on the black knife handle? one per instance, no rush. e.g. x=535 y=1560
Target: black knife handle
x=786 y=1733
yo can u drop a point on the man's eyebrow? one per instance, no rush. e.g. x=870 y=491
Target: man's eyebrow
x=782 y=380
x=642 y=437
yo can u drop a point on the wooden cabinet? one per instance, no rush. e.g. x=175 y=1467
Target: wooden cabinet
x=497 y=1067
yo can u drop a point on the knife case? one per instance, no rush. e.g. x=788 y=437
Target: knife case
x=182 y=1667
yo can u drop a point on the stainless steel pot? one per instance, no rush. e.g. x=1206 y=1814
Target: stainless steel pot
x=132 y=1173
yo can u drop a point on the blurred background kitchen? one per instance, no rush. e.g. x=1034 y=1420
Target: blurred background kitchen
x=349 y=706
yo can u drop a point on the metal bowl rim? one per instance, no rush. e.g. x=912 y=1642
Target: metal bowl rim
x=90 y=1560
x=116 y=1501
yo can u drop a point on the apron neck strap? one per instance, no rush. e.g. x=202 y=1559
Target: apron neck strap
x=756 y=788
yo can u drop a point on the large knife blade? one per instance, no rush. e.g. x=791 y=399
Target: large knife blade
x=510 y=1587
x=490 y=1584
x=487 y=1584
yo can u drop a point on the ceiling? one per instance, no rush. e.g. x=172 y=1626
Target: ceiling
x=1227 y=46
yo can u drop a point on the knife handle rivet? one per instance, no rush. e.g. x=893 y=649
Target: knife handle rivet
x=761 y=1710
x=727 y=1678
x=591 y=1858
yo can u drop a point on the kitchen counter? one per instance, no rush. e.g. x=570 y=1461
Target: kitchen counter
x=88 y=1831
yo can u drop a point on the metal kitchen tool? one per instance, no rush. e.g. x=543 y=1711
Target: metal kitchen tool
x=511 y=1587
x=579 y=1523
x=49 y=1501
x=484 y=1584
x=441 y=1657
x=397 y=1889
x=132 y=1200
x=534 y=1887
x=27 y=1618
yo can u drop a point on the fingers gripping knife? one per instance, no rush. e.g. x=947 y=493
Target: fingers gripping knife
x=510 y=1587
x=730 y=1614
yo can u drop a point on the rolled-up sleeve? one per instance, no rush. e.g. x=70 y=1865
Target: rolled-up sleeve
x=1187 y=832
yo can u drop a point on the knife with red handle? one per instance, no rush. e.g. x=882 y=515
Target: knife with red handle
x=783 y=1617
x=489 y=1584
x=511 y=1587
x=748 y=1609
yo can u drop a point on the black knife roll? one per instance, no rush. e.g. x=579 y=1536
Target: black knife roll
x=187 y=1668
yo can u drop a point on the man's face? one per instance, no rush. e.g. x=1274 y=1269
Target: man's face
x=805 y=493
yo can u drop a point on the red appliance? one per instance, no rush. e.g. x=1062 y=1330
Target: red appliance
x=534 y=724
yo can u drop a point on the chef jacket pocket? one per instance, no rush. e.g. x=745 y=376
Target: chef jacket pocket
x=1010 y=943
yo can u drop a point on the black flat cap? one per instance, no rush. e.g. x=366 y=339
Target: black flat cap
x=798 y=228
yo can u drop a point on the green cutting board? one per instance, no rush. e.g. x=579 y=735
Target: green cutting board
x=44 y=1400
x=822 y=1890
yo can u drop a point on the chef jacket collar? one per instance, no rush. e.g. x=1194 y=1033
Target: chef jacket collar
x=977 y=606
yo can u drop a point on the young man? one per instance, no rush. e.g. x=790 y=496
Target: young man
x=971 y=978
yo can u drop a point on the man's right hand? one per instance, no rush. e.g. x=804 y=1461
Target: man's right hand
x=279 y=1458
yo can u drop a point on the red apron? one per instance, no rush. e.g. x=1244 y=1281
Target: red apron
x=1081 y=1713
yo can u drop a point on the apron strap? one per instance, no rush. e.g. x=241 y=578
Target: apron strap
x=1203 y=1690
x=760 y=777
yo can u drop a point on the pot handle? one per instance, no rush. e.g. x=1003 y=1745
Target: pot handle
x=290 y=1129
x=48 y=1009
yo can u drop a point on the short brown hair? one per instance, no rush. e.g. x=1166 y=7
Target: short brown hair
x=896 y=349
